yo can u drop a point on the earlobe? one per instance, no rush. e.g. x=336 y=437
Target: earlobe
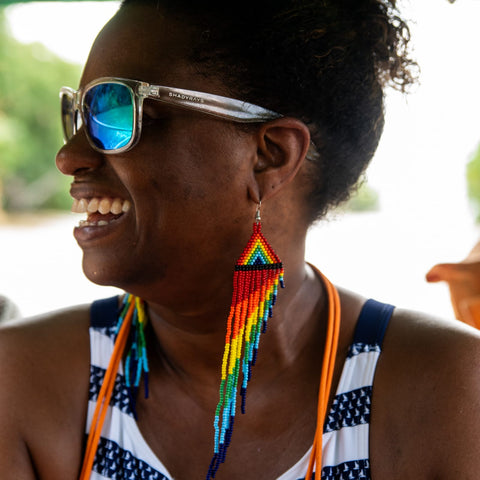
x=282 y=147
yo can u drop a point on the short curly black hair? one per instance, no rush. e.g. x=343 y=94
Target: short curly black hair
x=326 y=62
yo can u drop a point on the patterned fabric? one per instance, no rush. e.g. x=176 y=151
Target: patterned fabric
x=123 y=454
x=115 y=462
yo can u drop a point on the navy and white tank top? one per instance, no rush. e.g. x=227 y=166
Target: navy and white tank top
x=123 y=453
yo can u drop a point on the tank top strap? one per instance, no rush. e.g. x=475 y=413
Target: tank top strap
x=372 y=323
x=104 y=312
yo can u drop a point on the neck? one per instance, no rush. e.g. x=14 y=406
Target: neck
x=190 y=343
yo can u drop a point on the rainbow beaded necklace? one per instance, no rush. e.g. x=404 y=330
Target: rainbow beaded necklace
x=130 y=330
x=136 y=362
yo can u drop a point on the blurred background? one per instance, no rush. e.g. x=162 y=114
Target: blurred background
x=419 y=205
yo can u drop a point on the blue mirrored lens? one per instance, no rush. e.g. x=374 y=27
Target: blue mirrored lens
x=108 y=112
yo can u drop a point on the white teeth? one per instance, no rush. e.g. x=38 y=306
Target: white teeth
x=102 y=205
x=93 y=205
x=79 y=206
x=100 y=223
x=126 y=206
x=116 y=207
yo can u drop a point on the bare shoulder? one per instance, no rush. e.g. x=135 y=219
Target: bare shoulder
x=40 y=343
x=44 y=373
x=426 y=399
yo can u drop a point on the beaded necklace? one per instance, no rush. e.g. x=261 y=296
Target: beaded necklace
x=130 y=329
x=136 y=362
x=131 y=323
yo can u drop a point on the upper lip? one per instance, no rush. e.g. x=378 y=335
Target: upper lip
x=89 y=191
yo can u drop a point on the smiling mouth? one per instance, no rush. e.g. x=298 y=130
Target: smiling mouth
x=100 y=211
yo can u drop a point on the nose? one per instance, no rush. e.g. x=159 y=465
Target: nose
x=78 y=156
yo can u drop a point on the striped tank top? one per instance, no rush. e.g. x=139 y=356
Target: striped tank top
x=123 y=453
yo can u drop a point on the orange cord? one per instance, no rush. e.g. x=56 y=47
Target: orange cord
x=105 y=394
x=329 y=356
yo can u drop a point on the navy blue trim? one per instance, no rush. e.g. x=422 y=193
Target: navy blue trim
x=104 y=313
x=372 y=323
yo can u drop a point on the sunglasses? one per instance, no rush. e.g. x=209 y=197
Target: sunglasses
x=110 y=109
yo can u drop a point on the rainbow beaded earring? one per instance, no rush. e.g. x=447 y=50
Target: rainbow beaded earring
x=258 y=273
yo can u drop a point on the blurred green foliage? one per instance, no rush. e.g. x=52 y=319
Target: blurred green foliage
x=30 y=131
x=473 y=183
x=364 y=199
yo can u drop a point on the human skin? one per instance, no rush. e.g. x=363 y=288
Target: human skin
x=193 y=182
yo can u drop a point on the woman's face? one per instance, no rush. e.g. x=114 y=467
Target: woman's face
x=186 y=181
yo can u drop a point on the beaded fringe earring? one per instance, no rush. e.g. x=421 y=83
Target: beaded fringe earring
x=258 y=273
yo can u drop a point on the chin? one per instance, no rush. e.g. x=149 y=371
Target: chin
x=134 y=277
x=104 y=272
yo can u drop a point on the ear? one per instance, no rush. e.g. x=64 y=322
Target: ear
x=281 y=148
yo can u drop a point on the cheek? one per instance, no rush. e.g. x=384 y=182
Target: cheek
x=175 y=186
x=190 y=187
x=198 y=164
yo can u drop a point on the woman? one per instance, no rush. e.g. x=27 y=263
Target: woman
x=171 y=180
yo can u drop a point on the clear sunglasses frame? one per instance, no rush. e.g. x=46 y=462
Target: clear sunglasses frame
x=207 y=103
